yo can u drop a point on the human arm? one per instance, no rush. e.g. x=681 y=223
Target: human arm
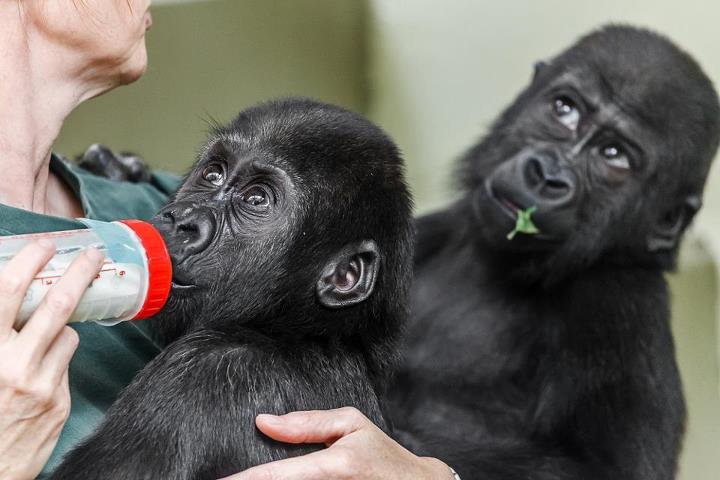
x=34 y=395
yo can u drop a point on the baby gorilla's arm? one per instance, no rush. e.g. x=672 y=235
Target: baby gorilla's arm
x=190 y=413
x=186 y=415
x=357 y=449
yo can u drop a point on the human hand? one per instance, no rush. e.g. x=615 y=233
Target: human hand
x=34 y=393
x=357 y=449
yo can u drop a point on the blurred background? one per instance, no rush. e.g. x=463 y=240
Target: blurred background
x=434 y=74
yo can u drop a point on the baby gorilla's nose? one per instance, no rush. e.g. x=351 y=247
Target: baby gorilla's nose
x=187 y=230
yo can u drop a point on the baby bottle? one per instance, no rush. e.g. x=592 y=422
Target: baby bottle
x=134 y=281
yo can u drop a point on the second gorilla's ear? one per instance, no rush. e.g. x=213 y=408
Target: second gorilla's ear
x=668 y=229
x=349 y=277
x=538 y=67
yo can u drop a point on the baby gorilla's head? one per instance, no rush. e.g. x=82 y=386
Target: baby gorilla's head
x=295 y=221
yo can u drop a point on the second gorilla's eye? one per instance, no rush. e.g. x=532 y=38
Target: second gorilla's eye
x=615 y=157
x=214 y=174
x=567 y=112
x=256 y=196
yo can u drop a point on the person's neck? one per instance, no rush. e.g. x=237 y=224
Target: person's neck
x=36 y=95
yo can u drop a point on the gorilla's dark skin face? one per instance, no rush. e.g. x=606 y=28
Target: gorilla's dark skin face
x=579 y=152
x=252 y=202
x=587 y=144
x=550 y=356
x=291 y=241
x=252 y=213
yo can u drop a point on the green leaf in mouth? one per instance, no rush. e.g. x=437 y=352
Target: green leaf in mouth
x=523 y=223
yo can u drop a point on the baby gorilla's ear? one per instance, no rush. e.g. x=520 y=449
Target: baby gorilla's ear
x=349 y=277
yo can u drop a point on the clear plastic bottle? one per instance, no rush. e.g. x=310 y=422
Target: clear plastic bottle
x=134 y=281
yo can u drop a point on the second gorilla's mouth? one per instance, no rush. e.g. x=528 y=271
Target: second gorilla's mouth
x=509 y=205
x=504 y=202
x=510 y=208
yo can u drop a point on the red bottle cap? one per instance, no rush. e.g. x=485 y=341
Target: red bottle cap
x=159 y=267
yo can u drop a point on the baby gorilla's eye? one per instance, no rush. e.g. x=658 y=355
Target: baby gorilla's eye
x=566 y=112
x=214 y=174
x=256 y=195
x=615 y=157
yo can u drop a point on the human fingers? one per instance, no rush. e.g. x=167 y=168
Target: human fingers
x=57 y=359
x=317 y=426
x=16 y=277
x=59 y=303
x=313 y=466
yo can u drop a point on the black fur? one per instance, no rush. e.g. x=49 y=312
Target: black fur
x=550 y=357
x=247 y=316
x=123 y=166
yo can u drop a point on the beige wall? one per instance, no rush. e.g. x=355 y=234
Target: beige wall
x=695 y=309
x=442 y=70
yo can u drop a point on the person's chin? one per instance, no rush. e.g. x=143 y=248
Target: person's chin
x=135 y=67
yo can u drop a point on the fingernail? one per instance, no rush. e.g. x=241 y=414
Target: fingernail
x=94 y=254
x=45 y=243
x=271 y=419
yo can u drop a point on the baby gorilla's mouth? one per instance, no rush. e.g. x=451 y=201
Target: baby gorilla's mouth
x=182 y=286
x=180 y=280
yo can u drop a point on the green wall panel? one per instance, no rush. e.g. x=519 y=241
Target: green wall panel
x=211 y=59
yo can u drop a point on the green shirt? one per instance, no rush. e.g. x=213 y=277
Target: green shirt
x=107 y=357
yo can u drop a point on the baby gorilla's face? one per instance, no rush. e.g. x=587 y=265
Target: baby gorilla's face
x=281 y=214
x=229 y=224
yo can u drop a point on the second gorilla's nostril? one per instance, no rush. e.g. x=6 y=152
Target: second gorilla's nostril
x=557 y=184
x=555 y=189
x=534 y=172
x=544 y=175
